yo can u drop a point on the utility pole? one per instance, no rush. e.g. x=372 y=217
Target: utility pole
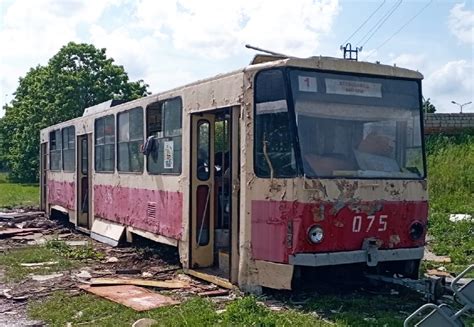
x=461 y=105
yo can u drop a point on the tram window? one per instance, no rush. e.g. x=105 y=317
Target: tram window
x=273 y=146
x=130 y=140
x=104 y=132
x=164 y=143
x=55 y=150
x=204 y=145
x=69 y=146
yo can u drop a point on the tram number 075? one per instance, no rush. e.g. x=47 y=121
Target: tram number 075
x=369 y=223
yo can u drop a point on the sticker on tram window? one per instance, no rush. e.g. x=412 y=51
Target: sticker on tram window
x=357 y=88
x=307 y=84
x=369 y=224
x=168 y=155
x=272 y=107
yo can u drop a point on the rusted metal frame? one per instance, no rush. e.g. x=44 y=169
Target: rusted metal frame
x=358 y=256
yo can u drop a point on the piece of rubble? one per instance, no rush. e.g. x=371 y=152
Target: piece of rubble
x=430 y=256
x=39 y=264
x=438 y=273
x=146 y=274
x=214 y=293
x=170 y=284
x=42 y=278
x=111 y=260
x=145 y=322
x=84 y=274
x=128 y=271
x=77 y=243
x=7 y=232
x=460 y=217
x=137 y=298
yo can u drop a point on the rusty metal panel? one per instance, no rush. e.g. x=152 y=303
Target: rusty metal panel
x=137 y=298
x=62 y=193
x=345 y=226
x=132 y=206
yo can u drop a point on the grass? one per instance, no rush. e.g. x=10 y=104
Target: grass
x=12 y=194
x=363 y=310
x=88 y=310
x=451 y=190
x=67 y=257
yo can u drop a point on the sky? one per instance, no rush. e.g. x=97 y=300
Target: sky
x=169 y=43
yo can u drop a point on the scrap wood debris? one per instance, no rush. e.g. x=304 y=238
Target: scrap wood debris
x=169 y=284
x=137 y=298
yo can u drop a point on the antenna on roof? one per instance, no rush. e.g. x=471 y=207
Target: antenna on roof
x=348 y=52
x=248 y=46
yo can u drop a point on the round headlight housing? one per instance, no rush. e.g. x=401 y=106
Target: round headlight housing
x=316 y=234
x=416 y=230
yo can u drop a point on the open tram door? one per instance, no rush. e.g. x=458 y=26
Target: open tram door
x=215 y=195
x=83 y=168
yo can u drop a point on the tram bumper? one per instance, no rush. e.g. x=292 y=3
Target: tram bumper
x=370 y=255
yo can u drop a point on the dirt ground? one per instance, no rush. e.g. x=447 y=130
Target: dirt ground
x=88 y=259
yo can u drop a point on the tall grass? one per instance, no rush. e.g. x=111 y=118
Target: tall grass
x=13 y=194
x=451 y=191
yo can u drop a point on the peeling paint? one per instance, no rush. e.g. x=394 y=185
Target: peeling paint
x=62 y=193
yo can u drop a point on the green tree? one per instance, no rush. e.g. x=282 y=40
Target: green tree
x=428 y=107
x=77 y=77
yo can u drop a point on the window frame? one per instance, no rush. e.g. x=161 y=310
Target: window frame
x=294 y=131
x=56 y=132
x=117 y=141
x=68 y=149
x=103 y=145
x=163 y=128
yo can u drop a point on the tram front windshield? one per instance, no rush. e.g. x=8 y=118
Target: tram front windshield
x=357 y=126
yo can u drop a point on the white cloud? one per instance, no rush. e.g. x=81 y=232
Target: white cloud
x=453 y=81
x=410 y=61
x=219 y=29
x=461 y=23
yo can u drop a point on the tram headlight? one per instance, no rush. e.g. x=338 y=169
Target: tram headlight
x=416 y=230
x=316 y=234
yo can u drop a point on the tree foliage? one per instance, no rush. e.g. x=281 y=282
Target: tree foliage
x=77 y=77
x=428 y=107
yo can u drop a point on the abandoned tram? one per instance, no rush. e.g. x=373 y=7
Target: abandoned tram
x=255 y=175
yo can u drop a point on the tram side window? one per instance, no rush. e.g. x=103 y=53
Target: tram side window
x=69 y=146
x=130 y=140
x=273 y=144
x=164 y=143
x=104 y=144
x=55 y=150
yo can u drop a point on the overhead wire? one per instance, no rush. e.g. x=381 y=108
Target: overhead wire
x=404 y=25
x=365 y=22
x=366 y=38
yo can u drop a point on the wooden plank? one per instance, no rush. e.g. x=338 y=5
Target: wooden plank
x=137 y=298
x=14 y=231
x=170 y=284
x=210 y=278
x=214 y=293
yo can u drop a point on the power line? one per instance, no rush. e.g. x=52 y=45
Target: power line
x=404 y=25
x=365 y=22
x=379 y=24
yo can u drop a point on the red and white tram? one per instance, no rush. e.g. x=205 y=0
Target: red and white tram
x=255 y=174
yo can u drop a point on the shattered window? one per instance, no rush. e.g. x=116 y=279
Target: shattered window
x=130 y=140
x=274 y=154
x=164 y=142
x=104 y=144
x=69 y=146
x=55 y=150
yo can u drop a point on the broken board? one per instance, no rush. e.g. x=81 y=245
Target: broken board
x=137 y=298
x=170 y=284
x=14 y=231
x=107 y=232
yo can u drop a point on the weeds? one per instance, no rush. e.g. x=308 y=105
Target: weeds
x=65 y=256
x=88 y=310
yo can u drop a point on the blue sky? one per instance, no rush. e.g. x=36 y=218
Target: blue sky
x=172 y=42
